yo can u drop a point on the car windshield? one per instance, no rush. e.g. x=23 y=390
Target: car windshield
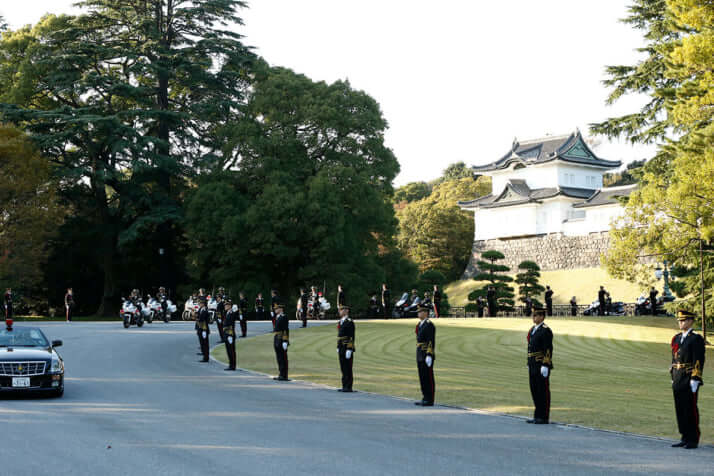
x=23 y=337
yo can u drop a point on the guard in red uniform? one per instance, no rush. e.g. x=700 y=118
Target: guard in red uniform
x=686 y=370
x=540 y=363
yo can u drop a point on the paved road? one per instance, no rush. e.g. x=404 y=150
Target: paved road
x=137 y=402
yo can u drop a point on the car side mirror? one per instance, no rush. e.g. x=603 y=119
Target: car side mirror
x=56 y=343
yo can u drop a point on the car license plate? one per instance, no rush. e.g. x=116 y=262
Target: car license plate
x=21 y=381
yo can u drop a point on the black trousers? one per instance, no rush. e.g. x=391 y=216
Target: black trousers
x=601 y=308
x=303 y=316
x=346 y=368
x=549 y=308
x=540 y=391
x=426 y=379
x=685 y=404
x=387 y=311
x=282 y=358
x=437 y=308
x=204 y=343
x=654 y=309
x=231 y=351
x=573 y=311
x=243 y=326
x=8 y=311
x=219 y=325
x=69 y=310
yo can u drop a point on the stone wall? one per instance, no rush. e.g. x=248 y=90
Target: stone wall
x=551 y=252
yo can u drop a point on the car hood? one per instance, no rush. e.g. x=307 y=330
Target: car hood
x=25 y=353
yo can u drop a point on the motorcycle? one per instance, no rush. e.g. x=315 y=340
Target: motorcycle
x=406 y=308
x=616 y=309
x=644 y=308
x=152 y=309
x=212 y=309
x=190 y=309
x=130 y=314
x=167 y=309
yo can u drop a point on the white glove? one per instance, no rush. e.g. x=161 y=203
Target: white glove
x=234 y=308
x=338 y=350
x=230 y=339
x=272 y=314
x=694 y=384
x=348 y=354
x=240 y=316
x=285 y=345
x=429 y=360
x=203 y=334
x=544 y=371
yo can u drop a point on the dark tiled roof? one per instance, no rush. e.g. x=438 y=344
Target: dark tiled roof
x=522 y=194
x=568 y=148
x=606 y=196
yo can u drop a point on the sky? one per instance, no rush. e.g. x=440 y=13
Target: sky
x=457 y=80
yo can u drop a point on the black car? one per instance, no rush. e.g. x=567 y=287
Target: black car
x=29 y=362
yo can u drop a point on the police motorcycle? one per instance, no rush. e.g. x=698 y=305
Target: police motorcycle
x=130 y=313
x=644 y=308
x=152 y=309
x=166 y=308
x=317 y=307
x=212 y=309
x=406 y=307
x=190 y=309
x=616 y=309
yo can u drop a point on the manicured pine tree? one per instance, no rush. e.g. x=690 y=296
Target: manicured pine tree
x=493 y=273
x=528 y=282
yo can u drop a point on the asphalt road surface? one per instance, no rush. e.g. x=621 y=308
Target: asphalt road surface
x=138 y=402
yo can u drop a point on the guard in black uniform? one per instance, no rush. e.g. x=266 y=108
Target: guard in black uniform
x=686 y=370
x=491 y=301
x=653 y=300
x=425 y=354
x=281 y=339
x=202 y=320
x=69 y=304
x=573 y=307
x=274 y=298
x=8 y=303
x=243 y=308
x=341 y=300
x=220 y=315
x=601 y=300
x=260 y=307
x=386 y=301
x=346 y=348
x=304 y=297
x=548 y=301
x=229 y=330
x=540 y=363
x=437 y=301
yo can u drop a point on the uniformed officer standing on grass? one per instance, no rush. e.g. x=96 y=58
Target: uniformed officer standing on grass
x=243 y=315
x=549 y=301
x=220 y=316
x=281 y=339
x=540 y=363
x=687 y=366
x=202 y=320
x=229 y=331
x=304 y=298
x=259 y=307
x=274 y=299
x=346 y=348
x=8 y=303
x=425 y=348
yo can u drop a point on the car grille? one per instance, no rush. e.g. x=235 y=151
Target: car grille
x=22 y=369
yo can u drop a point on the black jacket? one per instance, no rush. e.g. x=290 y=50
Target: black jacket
x=229 y=323
x=386 y=296
x=346 y=334
x=687 y=359
x=282 y=330
x=203 y=319
x=426 y=340
x=540 y=347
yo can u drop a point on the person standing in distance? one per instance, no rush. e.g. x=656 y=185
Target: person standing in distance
x=341 y=300
x=540 y=363
x=68 y=304
x=259 y=307
x=548 y=301
x=601 y=300
x=202 y=320
x=281 y=340
x=304 y=298
x=243 y=314
x=436 y=298
x=653 y=300
x=274 y=298
x=229 y=331
x=491 y=301
x=425 y=354
x=386 y=301
x=7 y=298
x=346 y=348
x=686 y=370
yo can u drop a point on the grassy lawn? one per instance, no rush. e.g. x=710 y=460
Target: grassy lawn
x=609 y=373
x=581 y=283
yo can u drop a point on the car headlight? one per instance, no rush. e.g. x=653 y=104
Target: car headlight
x=56 y=366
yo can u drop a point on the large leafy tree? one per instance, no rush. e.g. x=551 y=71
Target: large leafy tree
x=670 y=216
x=29 y=211
x=127 y=100
x=306 y=194
x=494 y=274
x=435 y=233
x=528 y=281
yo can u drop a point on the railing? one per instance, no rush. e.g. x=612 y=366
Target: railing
x=563 y=310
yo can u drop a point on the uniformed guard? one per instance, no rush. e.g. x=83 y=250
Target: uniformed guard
x=601 y=300
x=243 y=314
x=540 y=363
x=8 y=304
x=548 y=301
x=260 y=307
x=346 y=348
x=437 y=301
x=229 y=330
x=653 y=300
x=491 y=301
x=425 y=354
x=69 y=304
x=686 y=370
x=304 y=298
x=281 y=339
x=220 y=316
x=202 y=320
x=386 y=301
x=341 y=299
x=529 y=306
x=573 y=307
